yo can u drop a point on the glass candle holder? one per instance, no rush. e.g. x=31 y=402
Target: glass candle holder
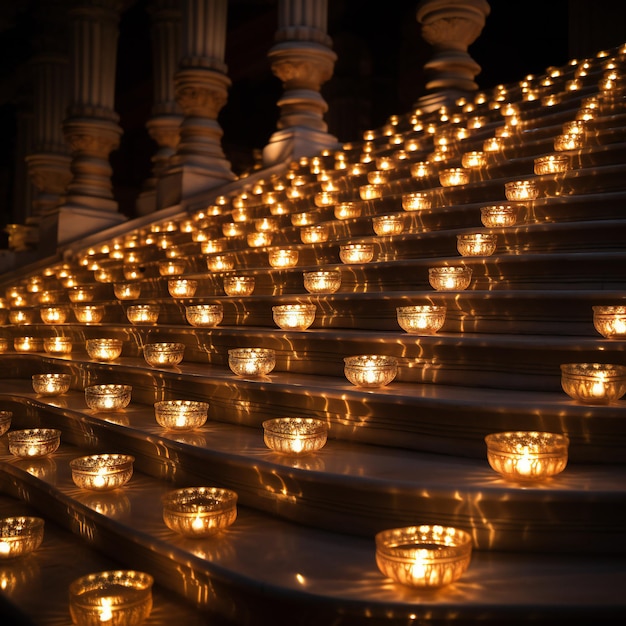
x=520 y=190
x=322 y=281
x=173 y=267
x=127 y=291
x=351 y=253
x=454 y=176
x=450 y=278
x=51 y=384
x=102 y=472
x=80 y=294
x=370 y=370
x=416 y=201
x=220 y=262
x=251 y=361
x=143 y=313
x=476 y=244
x=57 y=345
x=377 y=177
x=569 y=141
x=474 y=159
x=182 y=287
x=593 y=383
x=103 y=349
x=283 y=257
x=427 y=556
x=204 y=314
x=500 y=215
x=551 y=164
x=199 y=511
x=108 y=397
x=295 y=436
x=28 y=344
x=610 y=321
x=527 y=455
x=370 y=192
x=347 y=210
x=21 y=316
x=34 y=442
x=5 y=421
x=259 y=239
x=308 y=218
x=294 y=316
x=53 y=314
x=424 y=319
x=266 y=225
x=233 y=229
x=317 y=233
x=118 y=598
x=421 y=169
x=210 y=246
x=89 y=313
x=103 y=275
x=181 y=414
x=387 y=225
x=133 y=271
x=239 y=285
x=20 y=535
x=164 y=354
x=325 y=198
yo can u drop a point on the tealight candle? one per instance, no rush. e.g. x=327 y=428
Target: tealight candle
x=421 y=169
x=53 y=314
x=119 y=598
x=551 y=164
x=370 y=370
x=453 y=177
x=520 y=190
x=283 y=257
x=20 y=535
x=356 y=253
x=317 y=233
x=103 y=275
x=449 y=278
x=593 y=383
x=416 y=201
x=424 y=319
x=295 y=436
x=143 y=313
x=220 y=262
x=427 y=556
x=57 y=345
x=80 y=294
x=204 y=314
x=212 y=245
x=251 y=361
x=501 y=215
x=238 y=285
x=387 y=225
x=51 y=384
x=133 y=271
x=34 y=442
x=474 y=159
x=266 y=225
x=294 y=316
x=28 y=344
x=325 y=198
x=103 y=349
x=102 y=472
x=182 y=287
x=108 y=397
x=181 y=414
x=21 y=316
x=172 y=267
x=259 y=239
x=89 y=313
x=370 y=192
x=304 y=219
x=127 y=291
x=377 y=177
x=199 y=511
x=610 y=321
x=527 y=455
x=233 y=229
x=164 y=354
x=322 y=281
x=476 y=244
x=5 y=421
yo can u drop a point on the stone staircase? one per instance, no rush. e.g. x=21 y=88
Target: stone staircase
x=302 y=551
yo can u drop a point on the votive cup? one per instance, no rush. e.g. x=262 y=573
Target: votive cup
x=476 y=244
x=238 y=285
x=356 y=253
x=387 y=225
x=143 y=313
x=57 y=345
x=108 y=397
x=322 y=281
x=103 y=349
x=454 y=176
x=416 y=201
x=316 y=233
x=204 y=314
x=610 y=321
x=370 y=370
x=102 y=472
x=173 y=267
x=551 y=164
x=181 y=414
x=53 y=314
x=127 y=291
x=233 y=229
x=294 y=316
x=347 y=210
x=28 y=344
x=220 y=262
x=20 y=535
x=520 y=190
x=295 y=436
x=211 y=246
x=251 y=361
x=424 y=319
x=450 y=278
x=80 y=294
x=283 y=257
x=21 y=316
x=34 y=442
x=259 y=239
x=51 y=384
x=89 y=313
x=499 y=215
x=593 y=383
x=182 y=287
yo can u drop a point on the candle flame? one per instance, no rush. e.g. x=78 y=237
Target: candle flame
x=105 y=613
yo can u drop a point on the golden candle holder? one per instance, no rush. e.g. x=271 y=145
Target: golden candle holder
x=182 y=287
x=283 y=257
x=103 y=349
x=421 y=169
x=53 y=314
x=127 y=291
x=476 y=244
x=259 y=239
x=5 y=421
x=20 y=535
x=204 y=314
x=427 y=556
x=238 y=285
x=316 y=233
x=474 y=159
x=377 y=177
x=453 y=177
x=164 y=354
x=493 y=144
x=347 y=210
x=80 y=294
x=21 y=316
x=294 y=316
x=551 y=164
x=325 y=198
x=521 y=190
x=499 y=215
x=307 y=218
x=199 y=511
x=51 y=384
x=370 y=192
x=251 y=361
x=388 y=225
x=211 y=246
x=108 y=397
x=57 y=345
x=48 y=297
x=181 y=414
x=28 y=344
x=593 y=383
x=450 y=278
x=88 y=313
x=610 y=321
x=424 y=319
x=351 y=253
x=322 y=281
x=295 y=436
x=102 y=472
x=104 y=275
x=143 y=313
x=239 y=214
x=266 y=225
x=118 y=598
x=133 y=271
x=173 y=267
x=522 y=456
x=34 y=442
x=416 y=201
x=220 y=262
x=233 y=229
x=370 y=370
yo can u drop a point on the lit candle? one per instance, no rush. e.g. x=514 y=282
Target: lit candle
x=259 y=239
x=387 y=225
x=356 y=253
x=127 y=291
x=28 y=344
x=416 y=201
x=499 y=215
x=181 y=414
x=20 y=535
x=53 y=314
x=182 y=287
x=51 y=384
x=449 y=278
x=294 y=316
x=593 y=383
x=239 y=285
x=57 y=345
x=102 y=472
x=520 y=190
x=283 y=257
x=220 y=262
x=347 y=210
x=370 y=370
x=421 y=319
x=89 y=313
x=103 y=349
x=204 y=314
x=320 y=281
x=476 y=244
x=108 y=397
x=453 y=177
x=143 y=313
x=164 y=354
x=294 y=436
x=370 y=192
x=610 y=321
x=34 y=442
x=251 y=361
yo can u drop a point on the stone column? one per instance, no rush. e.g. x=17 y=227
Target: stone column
x=166 y=119
x=91 y=127
x=303 y=60
x=201 y=90
x=450 y=26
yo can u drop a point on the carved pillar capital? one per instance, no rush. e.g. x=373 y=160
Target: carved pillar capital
x=201 y=92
